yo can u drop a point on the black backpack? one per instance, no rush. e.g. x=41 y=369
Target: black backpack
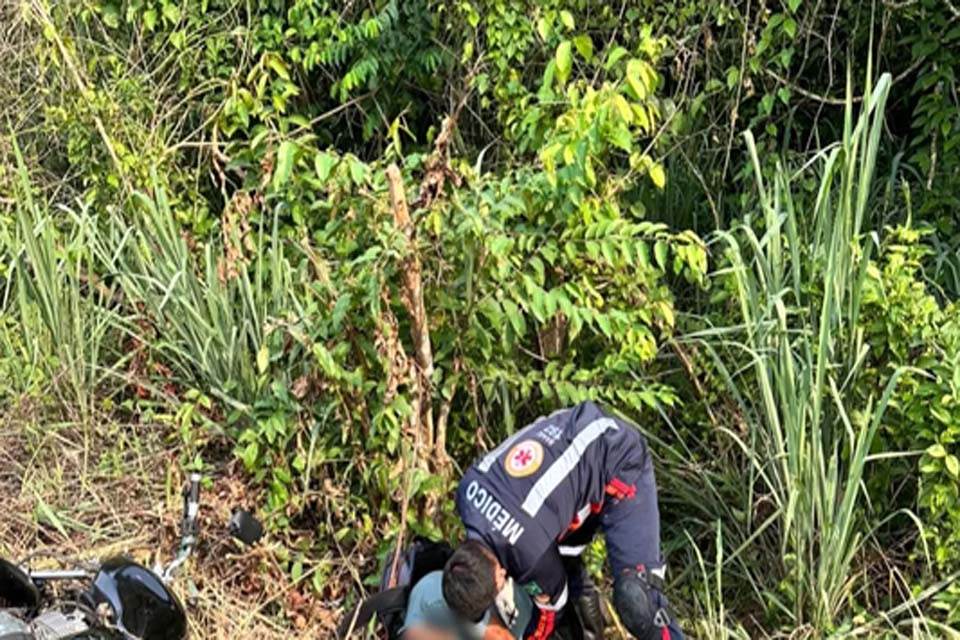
x=389 y=604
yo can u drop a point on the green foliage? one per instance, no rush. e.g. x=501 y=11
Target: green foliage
x=807 y=449
x=228 y=264
x=65 y=324
x=908 y=327
x=212 y=311
x=802 y=294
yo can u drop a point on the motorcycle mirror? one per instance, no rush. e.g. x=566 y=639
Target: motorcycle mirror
x=245 y=527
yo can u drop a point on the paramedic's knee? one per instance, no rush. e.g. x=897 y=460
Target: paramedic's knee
x=642 y=609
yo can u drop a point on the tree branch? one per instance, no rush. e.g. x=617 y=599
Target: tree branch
x=413 y=302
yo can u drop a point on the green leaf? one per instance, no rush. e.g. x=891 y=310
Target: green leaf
x=635 y=71
x=584 y=46
x=623 y=108
x=150 y=19
x=614 y=56
x=278 y=67
x=171 y=12
x=543 y=29
x=358 y=171
x=660 y=252
x=263 y=359
x=299 y=463
x=620 y=136
x=604 y=323
x=657 y=175
x=567 y=19
x=766 y=103
x=936 y=451
x=285 y=158
x=47 y=516
x=790 y=27
x=250 y=454
x=324 y=164
x=325 y=360
x=297 y=571
x=550 y=304
x=733 y=77
x=953 y=465
x=279 y=493
x=794 y=5
x=516 y=318
x=564 y=61
x=111 y=15
x=666 y=310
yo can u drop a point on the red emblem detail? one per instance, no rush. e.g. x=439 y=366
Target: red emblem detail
x=523 y=457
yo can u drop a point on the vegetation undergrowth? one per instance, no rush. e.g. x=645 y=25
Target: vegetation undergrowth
x=340 y=250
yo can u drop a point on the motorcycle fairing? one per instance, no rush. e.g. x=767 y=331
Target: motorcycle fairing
x=142 y=605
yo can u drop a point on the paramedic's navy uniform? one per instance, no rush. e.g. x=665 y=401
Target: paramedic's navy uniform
x=543 y=493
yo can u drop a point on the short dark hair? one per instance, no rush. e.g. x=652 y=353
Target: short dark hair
x=469 y=580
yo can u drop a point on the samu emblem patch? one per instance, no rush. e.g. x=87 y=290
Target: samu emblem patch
x=524 y=459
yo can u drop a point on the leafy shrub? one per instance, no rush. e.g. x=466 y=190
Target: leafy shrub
x=543 y=286
x=906 y=326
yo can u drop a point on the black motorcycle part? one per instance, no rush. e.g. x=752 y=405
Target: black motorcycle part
x=141 y=604
x=17 y=591
x=246 y=528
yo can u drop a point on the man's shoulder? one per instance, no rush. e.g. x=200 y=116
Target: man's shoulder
x=429 y=588
x=426 y=605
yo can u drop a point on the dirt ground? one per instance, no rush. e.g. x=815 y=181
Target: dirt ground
x=95 y=493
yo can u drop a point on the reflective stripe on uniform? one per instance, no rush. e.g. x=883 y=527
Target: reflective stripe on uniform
x=584 y=513
x=571 y=552
x=562 y=466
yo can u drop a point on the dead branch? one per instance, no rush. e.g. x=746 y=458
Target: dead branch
x=437 y=166
x=444 y=417
x=413 y=302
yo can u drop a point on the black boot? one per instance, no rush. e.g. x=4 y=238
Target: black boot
x=587 y=605
x=589 y=608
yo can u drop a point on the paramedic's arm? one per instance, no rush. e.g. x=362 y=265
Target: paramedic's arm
x=550 y=579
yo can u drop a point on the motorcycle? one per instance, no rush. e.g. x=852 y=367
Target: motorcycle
x=116 y=599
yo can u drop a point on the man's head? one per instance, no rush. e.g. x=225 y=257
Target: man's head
x=472 y=579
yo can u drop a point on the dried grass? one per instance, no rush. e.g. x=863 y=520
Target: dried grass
x=125 y=500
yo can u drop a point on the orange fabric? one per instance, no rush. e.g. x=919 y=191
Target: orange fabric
x=620 y=490
x=544 y=625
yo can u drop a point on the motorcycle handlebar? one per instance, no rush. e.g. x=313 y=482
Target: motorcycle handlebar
x=60 y=574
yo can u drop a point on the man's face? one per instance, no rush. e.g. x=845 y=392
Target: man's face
x=499 y=573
